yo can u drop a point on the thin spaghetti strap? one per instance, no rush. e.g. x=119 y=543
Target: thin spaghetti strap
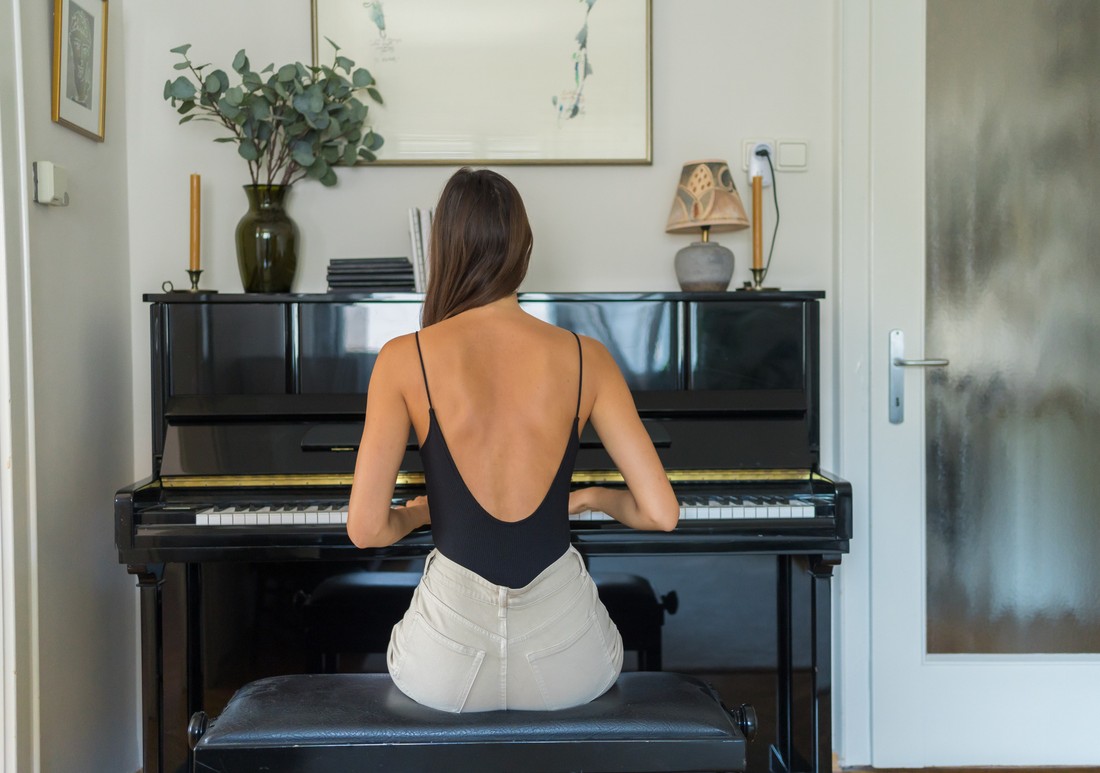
x=420 y=354
x=580 y=375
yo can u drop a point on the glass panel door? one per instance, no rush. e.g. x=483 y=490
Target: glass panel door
x=1013 y=424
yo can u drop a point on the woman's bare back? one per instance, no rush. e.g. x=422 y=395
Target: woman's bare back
x=504 y=386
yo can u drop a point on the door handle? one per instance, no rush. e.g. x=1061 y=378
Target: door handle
x=897 y=374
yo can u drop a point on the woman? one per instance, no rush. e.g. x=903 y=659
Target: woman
x=505 y=615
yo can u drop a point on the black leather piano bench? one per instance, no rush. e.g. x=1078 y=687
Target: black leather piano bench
x=336 y=723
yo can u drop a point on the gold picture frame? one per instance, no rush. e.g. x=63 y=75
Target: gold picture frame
x=80 y=66
x=500 y=81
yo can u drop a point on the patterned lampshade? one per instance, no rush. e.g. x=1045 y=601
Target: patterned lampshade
x=706 y=197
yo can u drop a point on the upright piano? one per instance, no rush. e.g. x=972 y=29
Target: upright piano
x=257 y=408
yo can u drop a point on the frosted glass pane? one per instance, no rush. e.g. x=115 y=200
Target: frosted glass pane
x=1013 y=300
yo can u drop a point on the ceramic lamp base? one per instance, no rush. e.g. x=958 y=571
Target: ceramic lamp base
x=704 y=267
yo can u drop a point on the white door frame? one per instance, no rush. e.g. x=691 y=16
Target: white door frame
x=1011 y=710
x=19 y=731
x=853 y=587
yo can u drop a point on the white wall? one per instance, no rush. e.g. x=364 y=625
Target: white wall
x=724 y=71
x=717 y=80
x=82 y=422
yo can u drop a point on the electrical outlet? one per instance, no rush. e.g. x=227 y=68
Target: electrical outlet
x=746 y=151
x=758 y=165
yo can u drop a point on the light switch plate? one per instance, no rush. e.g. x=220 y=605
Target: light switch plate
x=50 y=184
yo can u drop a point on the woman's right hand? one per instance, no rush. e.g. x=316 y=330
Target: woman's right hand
x=578 y=501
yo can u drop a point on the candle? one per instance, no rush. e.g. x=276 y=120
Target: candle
x=196 y=196
x=757 y=223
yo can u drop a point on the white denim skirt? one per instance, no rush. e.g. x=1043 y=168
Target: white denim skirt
x=466 y=644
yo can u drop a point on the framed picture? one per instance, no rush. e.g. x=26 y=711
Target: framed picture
x=500 y=81
x=80 y=65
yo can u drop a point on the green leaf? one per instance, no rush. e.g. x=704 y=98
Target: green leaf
x=362 y=78
x=186 y=107
x=240 y=62
x=349 y=155
x=261 y=110
x=329 y=179
x=374 y=141
x=330 y=153
x=216 y=82
x=181 y=88
x=248 y=151
x=181 y=50
x=234 y=96
x=302 y=153
x=269 y=68
x=375 y=95
x=229 y=111
x=186 y=118
x=287 y=73
x=344 y=63
x=336 y=47
x=225 y=139
x=180 y=66
x=367 y=155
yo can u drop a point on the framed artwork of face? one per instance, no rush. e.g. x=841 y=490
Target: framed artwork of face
x=80 y=65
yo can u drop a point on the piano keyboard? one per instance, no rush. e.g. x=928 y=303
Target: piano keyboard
x=692 y=508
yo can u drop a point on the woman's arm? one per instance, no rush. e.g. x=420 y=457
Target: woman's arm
x=648 y=501
x=372 y=522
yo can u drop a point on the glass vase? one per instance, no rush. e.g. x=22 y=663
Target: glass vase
x=267 y=241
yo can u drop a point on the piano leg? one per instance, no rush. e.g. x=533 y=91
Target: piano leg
x=169 y=666
x=821 y=572
x=812 y=717
x=781 y=752
x=149 y=577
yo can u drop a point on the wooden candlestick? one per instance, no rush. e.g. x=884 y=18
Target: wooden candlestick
x=757 y=223
x=196 y=197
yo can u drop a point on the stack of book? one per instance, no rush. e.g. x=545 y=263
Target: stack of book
x=420 y=237
x=370 y=275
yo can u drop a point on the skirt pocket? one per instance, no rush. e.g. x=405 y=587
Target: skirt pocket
x=432 y=668
x=576 y=670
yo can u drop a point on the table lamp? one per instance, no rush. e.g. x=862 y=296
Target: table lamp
x=706 y=199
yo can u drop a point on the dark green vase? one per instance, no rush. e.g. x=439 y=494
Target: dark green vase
x=267 y=241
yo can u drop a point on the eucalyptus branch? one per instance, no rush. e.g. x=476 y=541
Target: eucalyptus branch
x=297 y=122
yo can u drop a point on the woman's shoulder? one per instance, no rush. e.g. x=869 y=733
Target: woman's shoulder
x=397 y=355
x=399 y=346
x=595 y=353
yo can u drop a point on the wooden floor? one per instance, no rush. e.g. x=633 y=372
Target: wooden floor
x=972 y=770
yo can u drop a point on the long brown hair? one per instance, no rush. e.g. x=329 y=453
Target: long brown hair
x=480 y=245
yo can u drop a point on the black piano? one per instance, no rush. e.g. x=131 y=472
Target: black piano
x=257 y=404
